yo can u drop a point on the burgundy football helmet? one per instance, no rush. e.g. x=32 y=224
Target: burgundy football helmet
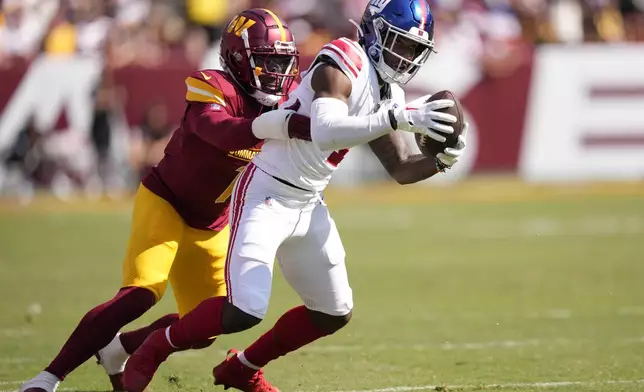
x=258 y=50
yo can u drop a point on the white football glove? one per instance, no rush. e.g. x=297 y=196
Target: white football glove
x=422 y=117
x=451 y=155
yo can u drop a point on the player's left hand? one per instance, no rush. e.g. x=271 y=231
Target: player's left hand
x=451 y=155
x=419 y=116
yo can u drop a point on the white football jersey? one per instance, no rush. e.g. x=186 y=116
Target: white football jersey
x=301 y=162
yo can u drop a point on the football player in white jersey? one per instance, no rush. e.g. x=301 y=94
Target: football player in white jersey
x=352 y=94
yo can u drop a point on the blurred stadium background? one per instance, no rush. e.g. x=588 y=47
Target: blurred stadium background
x=521 y=269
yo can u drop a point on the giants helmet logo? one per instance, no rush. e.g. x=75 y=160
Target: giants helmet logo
x=378 y=5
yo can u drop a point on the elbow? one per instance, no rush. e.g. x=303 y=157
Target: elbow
x=237 y=138
x=397 y=172
x=403 y=178
x=405 y=175
x=242 y=144
x=222 y=142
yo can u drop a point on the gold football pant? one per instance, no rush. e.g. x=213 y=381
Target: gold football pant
x=162 y=248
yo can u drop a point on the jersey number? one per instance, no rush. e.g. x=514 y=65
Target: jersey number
x=225 y=195
x=337 y=156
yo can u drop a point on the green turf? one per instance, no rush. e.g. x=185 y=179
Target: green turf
x=469 y=294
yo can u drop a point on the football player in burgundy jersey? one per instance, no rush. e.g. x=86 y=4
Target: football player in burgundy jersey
x=179 y=228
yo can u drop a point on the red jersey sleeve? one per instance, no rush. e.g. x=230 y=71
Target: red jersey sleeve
x=210 y=115
x=346 y=54
x=214 y=125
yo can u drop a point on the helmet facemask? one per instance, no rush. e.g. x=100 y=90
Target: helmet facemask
x=398 y=54
x=273 y=70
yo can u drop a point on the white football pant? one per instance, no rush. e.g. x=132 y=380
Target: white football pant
x=269 y=219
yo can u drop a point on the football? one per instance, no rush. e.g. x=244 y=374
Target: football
x=430 y=147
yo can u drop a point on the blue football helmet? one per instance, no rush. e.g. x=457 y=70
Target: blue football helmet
x=398 y=37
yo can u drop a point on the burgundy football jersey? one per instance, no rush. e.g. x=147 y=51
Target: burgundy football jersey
x=208 y=151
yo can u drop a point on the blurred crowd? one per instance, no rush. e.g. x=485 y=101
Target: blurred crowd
x=150 y=32
x=124 y=32
x=496 y=34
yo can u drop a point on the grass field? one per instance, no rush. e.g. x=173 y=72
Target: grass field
x=486 y=285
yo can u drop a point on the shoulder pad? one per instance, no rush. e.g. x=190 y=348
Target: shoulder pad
x=205 y=87
x=347 y=54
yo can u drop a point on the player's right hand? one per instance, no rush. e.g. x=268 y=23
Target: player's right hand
x=424 y=118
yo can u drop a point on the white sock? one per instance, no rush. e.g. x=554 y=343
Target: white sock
x=245 y=362
x=113 y=356
x=167 y=336
x=44 y=380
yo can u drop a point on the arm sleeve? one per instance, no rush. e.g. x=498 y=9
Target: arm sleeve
x=282 y=124
x=333 y=129
x=218 y=128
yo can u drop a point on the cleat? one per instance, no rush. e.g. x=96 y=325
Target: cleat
x=115 y=379
x=145 y=361
x=117 y=382
x=231 y=373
